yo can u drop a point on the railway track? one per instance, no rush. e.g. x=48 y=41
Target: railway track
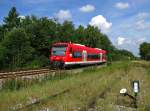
x=15 y=74
x=21 y=73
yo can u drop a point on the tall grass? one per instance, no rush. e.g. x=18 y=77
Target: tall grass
x=19 y=83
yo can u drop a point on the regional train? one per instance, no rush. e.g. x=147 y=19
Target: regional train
x=68 y=54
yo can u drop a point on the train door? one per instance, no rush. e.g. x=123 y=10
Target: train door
x=101 y=57
x=84 y=55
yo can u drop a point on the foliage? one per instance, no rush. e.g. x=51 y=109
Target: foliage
x=16 y=48
x=121 y=55
x=145 y=51
x=13 y=20
x=1 y=33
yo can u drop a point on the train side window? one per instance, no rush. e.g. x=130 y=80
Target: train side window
x=77 y=55
x=93 y=56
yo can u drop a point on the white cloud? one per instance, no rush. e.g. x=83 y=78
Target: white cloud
x=101 y=22
x=21 y=17
x=87 y=8
x=143 y=15
x=131 y=44
x=141 y=40
x=120 y=41
x=63 y=15
x=121 y=5
x=141 y=25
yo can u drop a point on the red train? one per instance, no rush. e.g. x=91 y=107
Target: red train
x=67 y=54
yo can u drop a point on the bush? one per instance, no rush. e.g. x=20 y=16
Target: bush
x=38 y=62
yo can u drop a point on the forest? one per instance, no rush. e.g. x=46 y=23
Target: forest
x=25 y=42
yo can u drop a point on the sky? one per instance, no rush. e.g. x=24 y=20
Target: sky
x=126 y=22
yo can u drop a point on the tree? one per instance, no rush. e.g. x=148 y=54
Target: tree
x=80 y=35
x=1 y=33
x=12 y=20
x=145 y=51
x=41 y=32
x=92 y=36
x=16 y=49
x=105 y=43
x=66 y=31
x=2 y=56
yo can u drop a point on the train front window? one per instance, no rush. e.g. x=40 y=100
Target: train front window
x=59 y=51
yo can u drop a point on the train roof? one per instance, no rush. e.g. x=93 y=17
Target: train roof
x=98 y=48
x=78 y=44
x=60 y=43
x=69 y=43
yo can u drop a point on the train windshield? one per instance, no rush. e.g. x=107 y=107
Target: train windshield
x=58 y=51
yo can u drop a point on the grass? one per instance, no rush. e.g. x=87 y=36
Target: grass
x=84 y=87
x=134 y=73
x=50 y=87
x=20 y=83
x=76 y=99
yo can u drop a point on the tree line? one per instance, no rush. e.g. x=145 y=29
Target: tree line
x=26 y=42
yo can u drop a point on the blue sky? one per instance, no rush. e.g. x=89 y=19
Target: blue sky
x=126 y=22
